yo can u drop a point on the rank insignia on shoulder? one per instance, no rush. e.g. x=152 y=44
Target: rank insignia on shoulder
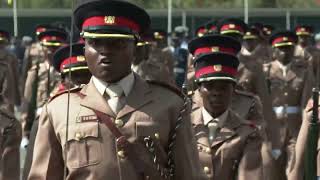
x=89 y=118
x=73 y=90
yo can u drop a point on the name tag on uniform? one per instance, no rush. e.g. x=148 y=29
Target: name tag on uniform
x=89 y=118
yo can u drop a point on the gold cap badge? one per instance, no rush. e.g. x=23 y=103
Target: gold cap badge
x=232 y=26
x=285 y=39
x=215 y=49
x=80 y=58
x=109 y=19
x=217 y=68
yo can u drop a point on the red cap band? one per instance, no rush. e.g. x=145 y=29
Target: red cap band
x=40 y=29
x=202 y=31
x=70 y=60
x=51 y=38
x=206 y=50
x=231 y=27
x=110 y=21
x=213 y=28
x=212 y=69
x=303 y=29
x=281 y=40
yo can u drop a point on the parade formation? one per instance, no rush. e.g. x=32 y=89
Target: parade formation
x=114 y=98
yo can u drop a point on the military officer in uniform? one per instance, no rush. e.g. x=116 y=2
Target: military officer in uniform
x=41 y=80
x=229 y=146
x=119 y=126
x=76 y=65
x=146 y=64
x=306 y=49
x=160 y=52
x=79 y=75
x=211 y=27
x=201 y=31
x=264 y=51
x=245 y=104
x=6 y=57
x=251 y=42
x=159 y=55
x=250 y=76
x=290 y=84
x=10 y=129
x=34 y=53
x=305 y=35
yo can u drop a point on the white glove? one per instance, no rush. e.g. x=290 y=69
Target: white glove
x=24 y=142
x=276 y=153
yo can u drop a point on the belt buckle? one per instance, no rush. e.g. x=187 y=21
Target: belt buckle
x=280 y=112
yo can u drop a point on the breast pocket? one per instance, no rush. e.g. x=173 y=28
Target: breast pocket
x=84 y=145
x=297 y=84
x=276 y=84
x=146 y=129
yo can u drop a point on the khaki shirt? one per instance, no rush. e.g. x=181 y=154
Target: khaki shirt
x=150 y=70
x=10 y=139
x=263 y=52
x=14 y=95
x=92 y=152
x=251 y=79
x=245 y=105
x=233 y=154
x=292 y=90
x=33 y=55
x=41 y=79
x=164 y=57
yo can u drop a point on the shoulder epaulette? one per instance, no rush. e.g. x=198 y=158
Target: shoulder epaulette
x=72 y=90
x=167 y=86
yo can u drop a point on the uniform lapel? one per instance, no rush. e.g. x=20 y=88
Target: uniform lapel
x=201 y=131
x=94 y=100
x=291 y=74
x=139 y=96
x=227 y=131
x=278 y=72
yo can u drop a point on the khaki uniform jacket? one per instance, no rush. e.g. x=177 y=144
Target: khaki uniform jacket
x=33 y=55
x=263 y=53
x=245 y=105
x=6 y=88
x=150 y=70
x=10 y=130
x=164 y=57
x=292 y=90
x=43 y=80
x=252 y=79
x=233 y=154
x=10 y=139
x=14 y=93
x=311 y=56
x=92 y=153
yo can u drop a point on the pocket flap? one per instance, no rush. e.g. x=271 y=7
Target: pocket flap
x=144 y=129
x=79 y=131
